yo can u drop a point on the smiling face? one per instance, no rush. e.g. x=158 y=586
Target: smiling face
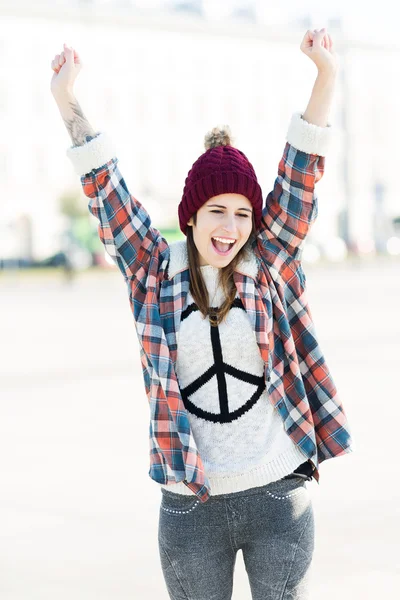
x=228 y=217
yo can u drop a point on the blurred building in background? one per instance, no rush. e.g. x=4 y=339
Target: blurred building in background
x=157 y=76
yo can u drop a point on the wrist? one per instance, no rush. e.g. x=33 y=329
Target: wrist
x=64 y=97
x=327 y=74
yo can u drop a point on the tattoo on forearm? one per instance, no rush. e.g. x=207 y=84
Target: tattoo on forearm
x=78 y=126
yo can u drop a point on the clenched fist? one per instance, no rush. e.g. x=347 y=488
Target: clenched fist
x=318 y=46
x=66 y=67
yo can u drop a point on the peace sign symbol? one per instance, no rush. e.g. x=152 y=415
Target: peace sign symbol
x=220 y=370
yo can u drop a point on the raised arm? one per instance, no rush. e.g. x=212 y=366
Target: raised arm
x=292 y=207
x=124 y=226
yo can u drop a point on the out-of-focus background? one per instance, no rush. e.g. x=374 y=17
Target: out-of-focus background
x=157 y=76
x=78 y=511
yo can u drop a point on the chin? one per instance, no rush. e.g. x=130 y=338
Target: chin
x=221 y=261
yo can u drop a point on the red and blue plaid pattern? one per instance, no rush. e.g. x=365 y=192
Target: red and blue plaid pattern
x=297 y=377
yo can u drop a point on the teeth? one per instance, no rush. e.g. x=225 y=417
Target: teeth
x=224 y=240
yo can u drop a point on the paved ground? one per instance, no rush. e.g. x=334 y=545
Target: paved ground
x=78 y=516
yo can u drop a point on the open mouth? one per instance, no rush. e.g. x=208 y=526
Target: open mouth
x=221 y=248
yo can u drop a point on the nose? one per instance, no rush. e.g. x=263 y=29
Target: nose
x=230 y=223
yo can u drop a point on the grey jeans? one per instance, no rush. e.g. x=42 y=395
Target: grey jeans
x=273 y=526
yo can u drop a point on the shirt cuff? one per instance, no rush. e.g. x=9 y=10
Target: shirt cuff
x=308 y=137
x=91 y=155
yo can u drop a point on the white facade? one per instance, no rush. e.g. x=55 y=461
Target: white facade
x=157 y=84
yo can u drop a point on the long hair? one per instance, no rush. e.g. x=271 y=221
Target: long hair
x=198 y=288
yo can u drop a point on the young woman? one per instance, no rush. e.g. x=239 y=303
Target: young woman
x=243 y=408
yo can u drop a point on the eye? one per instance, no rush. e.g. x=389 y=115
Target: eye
x=220 y=211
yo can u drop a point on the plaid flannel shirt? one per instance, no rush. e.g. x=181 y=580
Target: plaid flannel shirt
x=298 y=380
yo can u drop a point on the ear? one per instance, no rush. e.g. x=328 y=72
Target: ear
x=190 y=222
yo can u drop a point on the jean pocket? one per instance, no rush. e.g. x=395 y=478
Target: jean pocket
x=178 y=504
x=286 y=487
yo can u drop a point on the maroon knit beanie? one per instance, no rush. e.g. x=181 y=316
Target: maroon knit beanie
x=221 y=169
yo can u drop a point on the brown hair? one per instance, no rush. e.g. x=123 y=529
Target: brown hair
x=198 y=288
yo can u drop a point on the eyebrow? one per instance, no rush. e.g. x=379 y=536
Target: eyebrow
x=221 y=206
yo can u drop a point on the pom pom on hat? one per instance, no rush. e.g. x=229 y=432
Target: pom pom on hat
x=218 y=136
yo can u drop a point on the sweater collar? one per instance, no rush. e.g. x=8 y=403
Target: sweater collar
x=179 y=259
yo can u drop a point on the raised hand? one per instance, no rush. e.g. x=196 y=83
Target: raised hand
x=318 y=46
x=66 y=67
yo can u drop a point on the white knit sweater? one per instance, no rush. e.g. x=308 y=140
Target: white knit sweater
x=240 y=436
